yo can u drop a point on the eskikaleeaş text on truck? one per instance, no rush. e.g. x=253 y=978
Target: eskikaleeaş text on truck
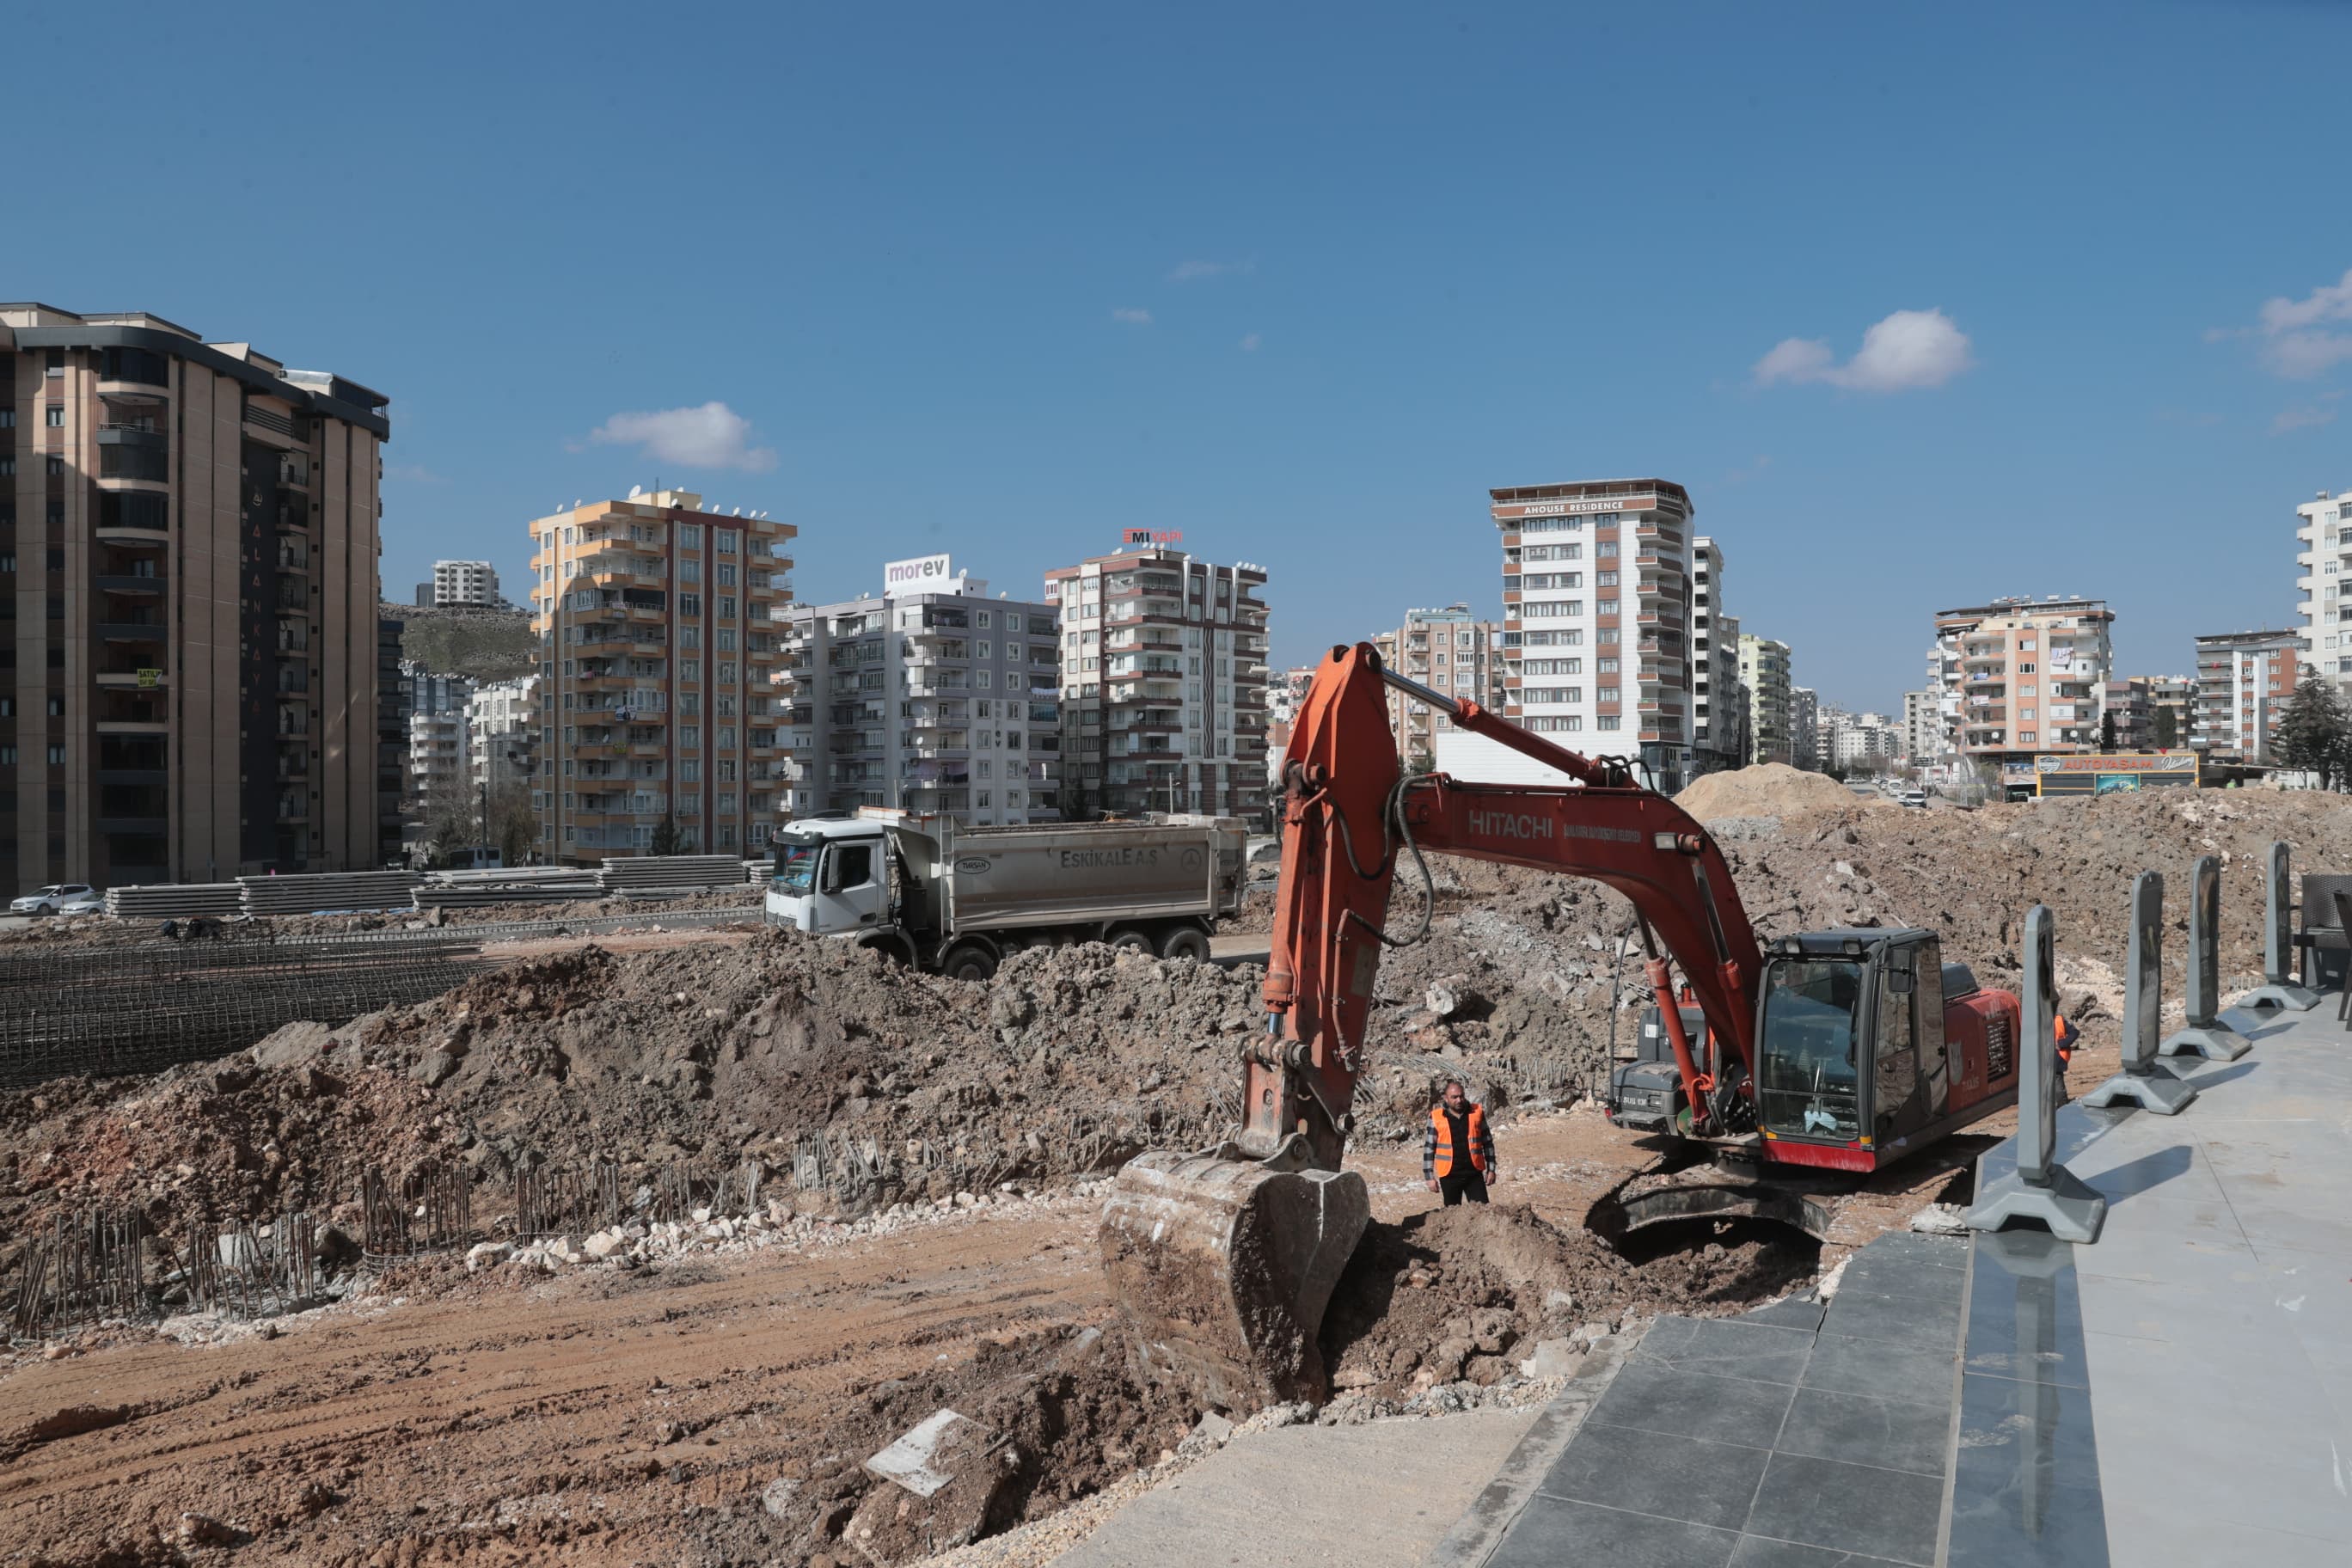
x=955 y=901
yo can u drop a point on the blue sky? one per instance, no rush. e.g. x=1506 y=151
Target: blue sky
x=1299 y=282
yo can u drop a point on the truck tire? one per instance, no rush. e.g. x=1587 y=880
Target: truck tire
x=970 y=961
x=1131 y=940
x=1185 y=942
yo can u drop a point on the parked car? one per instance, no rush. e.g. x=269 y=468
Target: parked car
x=60 y=898
x=1916 y=798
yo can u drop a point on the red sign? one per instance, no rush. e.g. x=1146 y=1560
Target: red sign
x=1151 y=536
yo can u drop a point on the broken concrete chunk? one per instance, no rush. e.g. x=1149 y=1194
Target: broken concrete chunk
x=1213 y=1426
x=488 y=1254
x=776 y=1497
x=1552 y=1358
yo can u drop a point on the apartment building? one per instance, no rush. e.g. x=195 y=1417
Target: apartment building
x=462 y=585
x=1597 y=615
x=188 y=541
x=502 y=733
x=1923 y=729
x=934 y=698
x=393 y=697
x=440 y=758
x=1164 y=683
x=2171 y=708
x=2021 y=678
x=658 y=652
x=2324 y=582
x=1764 y=671
x=1717 y=701
x=1450 y=650
x=1852 y=742
x=2244 y=681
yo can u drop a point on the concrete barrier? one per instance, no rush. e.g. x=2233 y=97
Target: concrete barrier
x=2279 y=988
x=2044 y=1191
x=2205 y=1036
x=2144 y=1081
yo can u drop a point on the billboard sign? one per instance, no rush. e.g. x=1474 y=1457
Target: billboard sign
x=923 y=575
x=2095 y=773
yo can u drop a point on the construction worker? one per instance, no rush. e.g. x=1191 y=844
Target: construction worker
x=2064 y=1035
x=1458 y=1152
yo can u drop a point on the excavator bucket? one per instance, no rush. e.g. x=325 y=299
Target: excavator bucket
x=1224 y=1267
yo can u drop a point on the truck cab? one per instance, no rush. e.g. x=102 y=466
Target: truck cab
x=832 y=877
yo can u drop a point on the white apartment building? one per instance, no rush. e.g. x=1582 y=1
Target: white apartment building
x=2022 y=677
x=1597 y=616
x=1846 y=739
x=931 y=696
x=502 y=731
x=470 y=582
x=2244 y=682
x=440 y=757
x=1923 y=727
x=1451 y=651
x=1764 y=671
x=1164 y=683
x=1719 y=704
x=2322 y=561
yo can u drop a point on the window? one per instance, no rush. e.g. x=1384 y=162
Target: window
x=724 y=537
x=57 y=756
x=689 y=605
x=726 y=574
x=57 y=416
x=853 y=866
x=1605 y=721
x=726 y=607
x=8 y=756
x=57 y=468
x=689 y=571
x=689 y=536
x=57 y=707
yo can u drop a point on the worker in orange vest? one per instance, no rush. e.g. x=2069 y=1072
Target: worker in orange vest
x=1458 y=1152
x=2064 y=1035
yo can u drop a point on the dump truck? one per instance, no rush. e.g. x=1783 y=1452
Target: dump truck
x=956 y=900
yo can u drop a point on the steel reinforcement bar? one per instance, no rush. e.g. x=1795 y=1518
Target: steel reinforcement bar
x=118 y=1010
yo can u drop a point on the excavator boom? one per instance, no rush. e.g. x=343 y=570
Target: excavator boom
x=1224 y=1259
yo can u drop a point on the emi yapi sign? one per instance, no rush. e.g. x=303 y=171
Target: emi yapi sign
x=1151 y=536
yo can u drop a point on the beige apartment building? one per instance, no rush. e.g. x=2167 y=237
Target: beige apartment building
x=1451 y=651
x=188 y=542
x=1163 y=684
x=659 y=654
x=1764 y=672
x=2244 y=681
x=2021 y=678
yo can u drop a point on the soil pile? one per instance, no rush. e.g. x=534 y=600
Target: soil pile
x=1467 y=1292
x=1770 y=789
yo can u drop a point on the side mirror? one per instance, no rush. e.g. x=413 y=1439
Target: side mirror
x=1900 y=980
x=831 y=881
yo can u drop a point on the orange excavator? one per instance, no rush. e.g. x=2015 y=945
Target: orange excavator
x=1776 y=1075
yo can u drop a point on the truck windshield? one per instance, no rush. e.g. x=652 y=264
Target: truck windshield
x=795 y=867
x=1808 y=1047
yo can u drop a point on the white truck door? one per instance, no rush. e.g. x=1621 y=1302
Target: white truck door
x=851 y=893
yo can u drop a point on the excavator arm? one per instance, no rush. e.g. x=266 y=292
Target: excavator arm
x=1225 y=1258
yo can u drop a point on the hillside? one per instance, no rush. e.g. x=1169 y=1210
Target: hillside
x=488 y=645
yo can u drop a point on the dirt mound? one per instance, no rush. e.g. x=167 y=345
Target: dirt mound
x=1465 y=1292
x=1769 y=789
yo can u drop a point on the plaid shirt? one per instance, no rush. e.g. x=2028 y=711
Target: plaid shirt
x=1483 y=1144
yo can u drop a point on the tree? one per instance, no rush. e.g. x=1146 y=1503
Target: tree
x=2167 y=728
x=2314 y=733
x=666 y=837
x=1420 y=762
x=2108 y=730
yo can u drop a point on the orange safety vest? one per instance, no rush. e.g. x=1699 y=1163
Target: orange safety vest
x=2064 y=1035
x=1474 y=1125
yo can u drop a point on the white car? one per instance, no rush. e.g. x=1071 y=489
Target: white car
x=60 y=898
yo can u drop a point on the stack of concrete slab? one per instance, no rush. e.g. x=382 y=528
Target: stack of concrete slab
x=328 y=892
x=174 y=901
x=756 y=872
x=518 y=885
x=646 y=874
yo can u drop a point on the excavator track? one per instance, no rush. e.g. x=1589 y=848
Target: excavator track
x=1709 y=1189
x=1224 y=1267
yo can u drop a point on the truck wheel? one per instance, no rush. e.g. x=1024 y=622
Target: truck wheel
x=1130 y=940
x=969 y=960
x=1185 y=942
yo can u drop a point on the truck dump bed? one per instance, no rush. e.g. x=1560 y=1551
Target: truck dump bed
x=1058 y=873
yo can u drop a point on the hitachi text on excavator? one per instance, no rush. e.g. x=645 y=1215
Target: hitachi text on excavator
x=1776 y=1077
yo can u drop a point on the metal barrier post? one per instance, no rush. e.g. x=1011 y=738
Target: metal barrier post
x=2145 y=1082
x=2206 y=1036
x=2043 y=1190
x=2279 y=988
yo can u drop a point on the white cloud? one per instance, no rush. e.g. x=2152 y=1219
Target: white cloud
x=2296 y=343
x=2302 y=418
x=1908 y=350
x=1195 y=271
x=1133 y=318
x=711 y=437
x=1249 y=343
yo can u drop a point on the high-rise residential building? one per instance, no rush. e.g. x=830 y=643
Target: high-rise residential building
x=1764 y=671
x=1716 y=706
x=1164 y=683
x=440 y=759
x=658 y=650
x=188 y=541
x=1596 y=616
x=1450 y=650
x=2171 y=708
x=1923 y=727
x=2244 y=681
x=1852 y=742
x=466 y=583
x=933 y=698
x=394 y=696
x=1804 y=729
x=502 y=733
x=1284 y=694
x=2022 y=677
x=2322 y=561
